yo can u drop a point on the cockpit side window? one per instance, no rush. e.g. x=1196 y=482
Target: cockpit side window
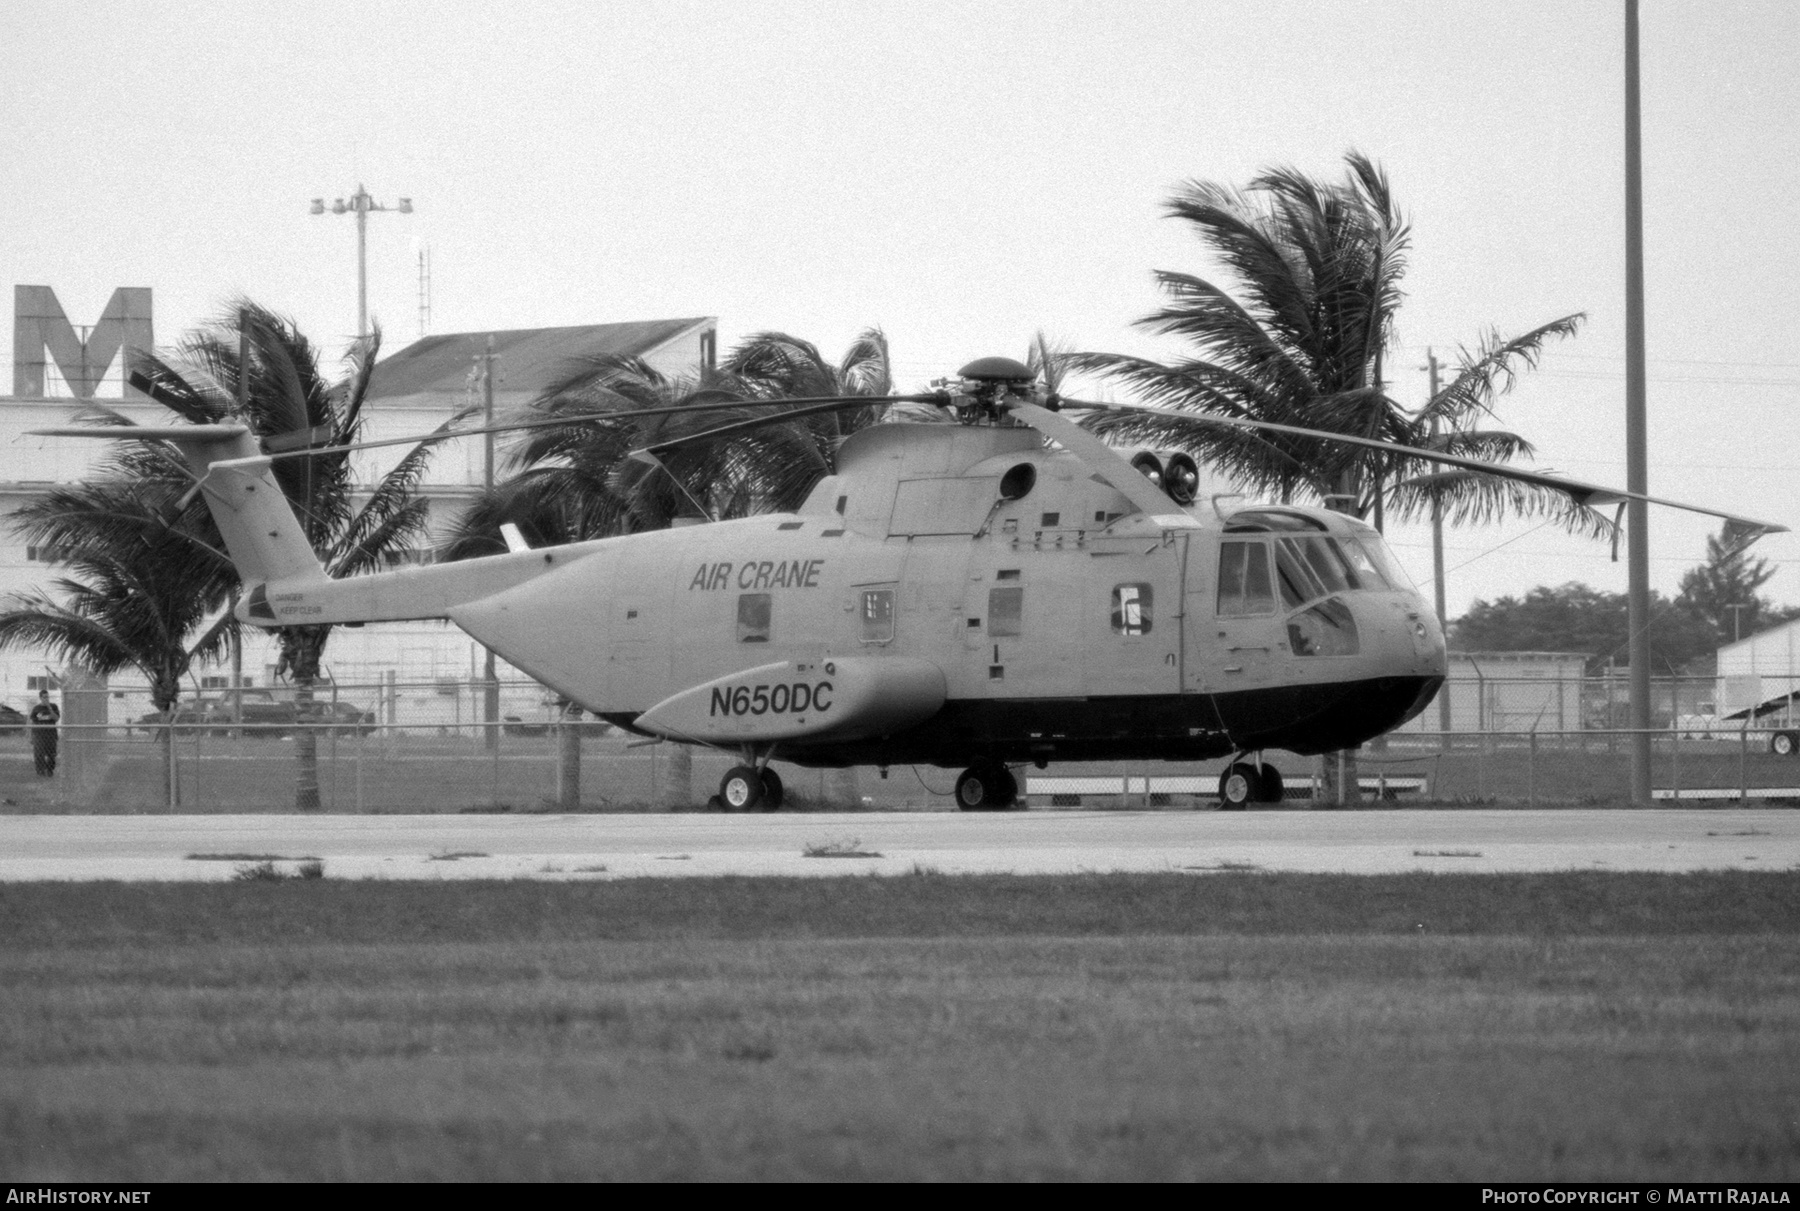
x=1245 y=589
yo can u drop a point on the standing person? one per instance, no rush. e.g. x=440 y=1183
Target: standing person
x=44 y=718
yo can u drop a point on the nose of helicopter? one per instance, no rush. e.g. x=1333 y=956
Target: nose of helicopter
x=1402 y=636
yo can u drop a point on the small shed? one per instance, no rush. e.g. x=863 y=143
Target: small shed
x=1509 y=692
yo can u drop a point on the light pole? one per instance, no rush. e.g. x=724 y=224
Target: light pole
x=361 y=203
x=1432 y=366
x=1637 y=479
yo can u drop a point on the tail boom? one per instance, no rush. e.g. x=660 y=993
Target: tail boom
x=285 y=582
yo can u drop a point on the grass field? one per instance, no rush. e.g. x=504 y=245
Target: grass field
x=1597 y=1026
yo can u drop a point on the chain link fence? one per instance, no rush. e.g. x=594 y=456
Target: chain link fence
x=429 y=747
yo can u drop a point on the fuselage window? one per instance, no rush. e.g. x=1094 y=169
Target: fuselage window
x=877 y=615
x=1244 y=586
x=753 y=617
x=1132 y=609
x=1006 y=610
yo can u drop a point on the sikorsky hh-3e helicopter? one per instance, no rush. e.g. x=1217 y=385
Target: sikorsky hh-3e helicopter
x=1005 y=591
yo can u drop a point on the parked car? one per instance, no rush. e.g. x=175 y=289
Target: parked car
x=1702 y=725
x=11 y=721
x=512 y=725
x=264 y=716
x=189 y=716
x=342 y=718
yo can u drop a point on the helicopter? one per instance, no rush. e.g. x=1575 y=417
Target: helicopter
x=1005 y=591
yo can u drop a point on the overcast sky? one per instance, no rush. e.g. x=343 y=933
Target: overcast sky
x=960 y=175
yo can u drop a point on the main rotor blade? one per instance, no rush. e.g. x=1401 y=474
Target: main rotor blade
x=170 y=432
x=651 y=454
x=1580 y=492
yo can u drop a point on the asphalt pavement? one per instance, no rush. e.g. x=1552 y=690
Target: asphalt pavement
x=217 y=847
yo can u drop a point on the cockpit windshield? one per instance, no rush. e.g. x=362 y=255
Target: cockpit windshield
x=1318 y=566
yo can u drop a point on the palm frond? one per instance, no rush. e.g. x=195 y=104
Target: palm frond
x=1492 y=369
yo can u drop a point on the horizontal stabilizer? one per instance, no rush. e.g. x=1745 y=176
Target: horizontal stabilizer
x=843 y=698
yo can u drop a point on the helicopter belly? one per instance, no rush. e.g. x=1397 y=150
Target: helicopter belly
x=843 y=698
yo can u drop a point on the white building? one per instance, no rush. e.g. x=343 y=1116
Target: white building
x=55 y=373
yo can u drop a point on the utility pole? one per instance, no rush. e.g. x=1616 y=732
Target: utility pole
x=490 y=676
x=424 y=291
x=1737 y=609
x=1637 y=477
x=1432 y=365
x=237 y=634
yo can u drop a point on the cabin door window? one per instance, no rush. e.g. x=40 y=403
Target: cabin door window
x=753 y=617
x=877 y=615
x=1133 y=609
x=1006 y=612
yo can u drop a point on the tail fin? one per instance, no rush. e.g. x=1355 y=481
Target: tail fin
x=263 y=537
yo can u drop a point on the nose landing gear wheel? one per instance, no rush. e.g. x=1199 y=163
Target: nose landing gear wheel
x=1239 y=786
x=772 y=792
x=741 y=789
x=988 y=787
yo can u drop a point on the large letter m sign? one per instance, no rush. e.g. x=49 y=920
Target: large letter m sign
x=39 y=326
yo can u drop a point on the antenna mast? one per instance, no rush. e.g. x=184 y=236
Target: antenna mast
x=424 y=290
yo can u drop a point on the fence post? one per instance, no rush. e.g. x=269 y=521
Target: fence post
x=1675 y=763
x=1531 y=771
x=168 y=740
x=1743 y=761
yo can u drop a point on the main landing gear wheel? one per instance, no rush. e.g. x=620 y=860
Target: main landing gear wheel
x=988 y=787
x=771 y=784
x=1272 y=788
x=741 y=789
x=1239 y=786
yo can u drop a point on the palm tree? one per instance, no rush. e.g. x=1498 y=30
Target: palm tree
x=774 y=365
x=573 y=482
x=287 y=402
x=144 y=588
x=1318 y=268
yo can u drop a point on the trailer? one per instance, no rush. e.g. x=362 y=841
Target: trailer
x=1780 y=715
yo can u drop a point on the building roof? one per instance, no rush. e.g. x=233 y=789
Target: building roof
x=530 y=359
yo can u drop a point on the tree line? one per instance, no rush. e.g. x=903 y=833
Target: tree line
x=1718 y=603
